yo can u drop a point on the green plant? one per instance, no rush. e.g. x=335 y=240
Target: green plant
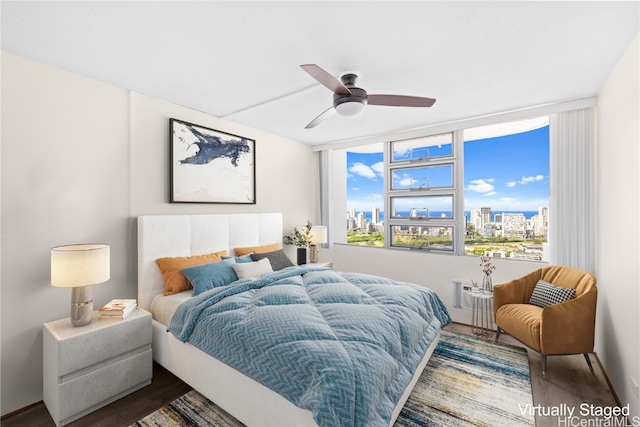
x=300 y=238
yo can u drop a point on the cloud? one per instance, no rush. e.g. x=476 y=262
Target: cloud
x=527 y=179
x=378 y=168
x=405 y=181
x=481 y=185
x=355 y=188
x=490 y=193
x=363 y=170
x=511 y=184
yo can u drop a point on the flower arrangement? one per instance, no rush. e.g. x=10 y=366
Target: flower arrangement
x=299 y=238
x=485 y=263
x=487 y=269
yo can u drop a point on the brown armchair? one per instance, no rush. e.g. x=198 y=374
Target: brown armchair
x=557 y=329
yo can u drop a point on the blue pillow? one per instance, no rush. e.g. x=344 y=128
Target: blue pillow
x=240 y=259
x=209 y=276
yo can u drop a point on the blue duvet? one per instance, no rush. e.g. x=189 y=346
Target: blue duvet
x=342 y=345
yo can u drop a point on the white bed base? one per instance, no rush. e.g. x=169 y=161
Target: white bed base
x=182 y=235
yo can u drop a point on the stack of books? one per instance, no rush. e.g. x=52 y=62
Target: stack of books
x=117 y=309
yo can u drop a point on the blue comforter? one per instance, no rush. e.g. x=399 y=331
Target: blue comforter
x=342 y=345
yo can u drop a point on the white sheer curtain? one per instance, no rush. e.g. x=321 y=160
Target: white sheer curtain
x=571 y=223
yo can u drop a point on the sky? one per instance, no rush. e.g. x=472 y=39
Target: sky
x=506 y=173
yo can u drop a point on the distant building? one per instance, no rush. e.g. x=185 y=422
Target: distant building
x=514 y=225
x=485 y=216
x=375 y=215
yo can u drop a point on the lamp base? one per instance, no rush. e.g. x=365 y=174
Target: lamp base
x=81 y=305
x=313 y=253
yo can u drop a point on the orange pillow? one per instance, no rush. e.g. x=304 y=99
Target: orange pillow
x=258 y=249
x=171 y=267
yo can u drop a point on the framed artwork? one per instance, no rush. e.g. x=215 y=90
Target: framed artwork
x=210 y=166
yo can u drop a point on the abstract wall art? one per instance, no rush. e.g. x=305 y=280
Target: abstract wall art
x=210 y=166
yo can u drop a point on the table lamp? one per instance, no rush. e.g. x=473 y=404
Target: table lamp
x=318 y=236
x=78 y=267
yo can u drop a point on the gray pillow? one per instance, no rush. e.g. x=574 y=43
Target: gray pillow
x=278 y=259
x=545 y=294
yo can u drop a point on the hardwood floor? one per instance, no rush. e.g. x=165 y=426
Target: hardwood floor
x=164 y=388
x=569 y=381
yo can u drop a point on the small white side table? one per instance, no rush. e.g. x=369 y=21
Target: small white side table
x=87 y=367
x=482 y=314
x=328 y=264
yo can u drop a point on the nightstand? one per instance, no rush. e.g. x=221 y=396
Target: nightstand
x=328 y=264
x=87 y=367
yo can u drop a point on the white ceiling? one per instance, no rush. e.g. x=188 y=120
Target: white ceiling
x=240 y=60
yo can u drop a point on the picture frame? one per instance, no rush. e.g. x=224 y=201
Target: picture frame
x=210 y=166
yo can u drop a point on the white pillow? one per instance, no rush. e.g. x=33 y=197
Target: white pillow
x=246 y=270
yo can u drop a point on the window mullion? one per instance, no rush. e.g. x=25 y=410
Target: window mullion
x=458 y=185
x=387 y=192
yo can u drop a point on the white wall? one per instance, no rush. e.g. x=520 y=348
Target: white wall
x=618 y=238
x=80 y=160
x=435 y=271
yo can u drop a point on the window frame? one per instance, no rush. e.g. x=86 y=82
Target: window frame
x=453 y=223
x=333 y=202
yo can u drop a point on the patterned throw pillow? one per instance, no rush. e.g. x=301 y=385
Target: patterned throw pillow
x=545 y=294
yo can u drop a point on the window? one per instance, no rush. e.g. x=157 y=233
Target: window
x=506 y=189
x=365 y=195
x=481 y=190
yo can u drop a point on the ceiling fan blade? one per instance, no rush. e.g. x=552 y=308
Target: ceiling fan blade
x=322 y=117
x=400 y=100
x=333 y=84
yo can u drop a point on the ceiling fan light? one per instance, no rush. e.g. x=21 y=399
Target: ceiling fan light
x=350 y=109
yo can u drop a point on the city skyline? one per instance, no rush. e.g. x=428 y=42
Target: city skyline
x=509 y=173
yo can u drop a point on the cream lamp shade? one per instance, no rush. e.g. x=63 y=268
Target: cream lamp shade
x=318 y=234
x=78 y=267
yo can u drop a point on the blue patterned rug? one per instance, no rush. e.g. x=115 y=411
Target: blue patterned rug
x=467 y=382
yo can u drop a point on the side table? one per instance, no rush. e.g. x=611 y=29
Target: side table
x=328 y=264
x=90 y=366
x=482 y=314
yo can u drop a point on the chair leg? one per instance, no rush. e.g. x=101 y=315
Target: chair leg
x=544 y=366
x=586 y=357
x=497 y=333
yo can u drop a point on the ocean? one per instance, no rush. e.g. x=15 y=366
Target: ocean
x=527 y=214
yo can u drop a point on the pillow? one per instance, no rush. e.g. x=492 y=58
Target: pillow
x=209 y=276
x=278 y=259
x=258 y=249
x=545 y=294
x=174 y=280
x=240 y=259
x=253 y=269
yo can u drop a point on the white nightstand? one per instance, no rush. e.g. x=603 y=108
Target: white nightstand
x=90 y=366
x=328 y=264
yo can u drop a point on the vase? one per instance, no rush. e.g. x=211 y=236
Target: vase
x=487 y=284
x=301 y=256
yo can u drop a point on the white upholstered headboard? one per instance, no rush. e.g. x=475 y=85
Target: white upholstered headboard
x=184 y=235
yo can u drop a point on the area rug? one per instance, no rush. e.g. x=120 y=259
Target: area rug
x=467 y=382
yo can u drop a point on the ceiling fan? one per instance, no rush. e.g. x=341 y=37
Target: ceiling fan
x=350 y=101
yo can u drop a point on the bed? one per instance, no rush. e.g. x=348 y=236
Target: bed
x=244 y=397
